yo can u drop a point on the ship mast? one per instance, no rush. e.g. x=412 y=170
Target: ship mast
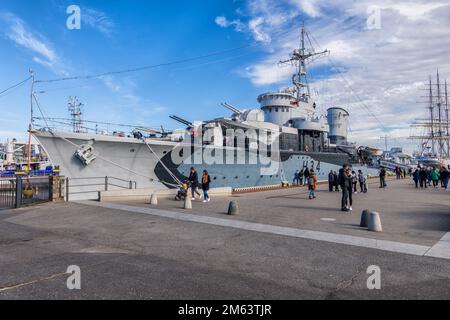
x=300 y=58
x=437 y=126
x=30 y=127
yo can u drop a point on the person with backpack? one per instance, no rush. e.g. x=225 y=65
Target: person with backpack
x=206 y=180
x=312 y=184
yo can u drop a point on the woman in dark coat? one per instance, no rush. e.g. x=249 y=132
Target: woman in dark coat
x=206 y=180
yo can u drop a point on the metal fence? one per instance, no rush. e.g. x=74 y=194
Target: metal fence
x=23 y=191
x=89 y=187
x=35 y=190
x=7 y=193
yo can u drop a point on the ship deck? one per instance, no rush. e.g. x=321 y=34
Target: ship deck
x=280 y=246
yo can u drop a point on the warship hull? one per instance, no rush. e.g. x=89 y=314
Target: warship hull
x=132 y=160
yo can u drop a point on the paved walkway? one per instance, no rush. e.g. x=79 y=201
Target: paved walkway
x=280 y=249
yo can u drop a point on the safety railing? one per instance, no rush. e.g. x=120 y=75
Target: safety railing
x=93 y=185
x=7 y=193
x=24 y=190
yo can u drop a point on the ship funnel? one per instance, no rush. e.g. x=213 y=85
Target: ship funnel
x=338 y=123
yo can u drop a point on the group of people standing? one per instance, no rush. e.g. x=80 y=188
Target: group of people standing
x=193 y=184
x=348 y=180
x=427 y=177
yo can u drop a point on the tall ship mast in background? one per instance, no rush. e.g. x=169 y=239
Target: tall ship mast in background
x=434 y=132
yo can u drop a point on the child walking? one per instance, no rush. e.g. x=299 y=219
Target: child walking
x=312 y=184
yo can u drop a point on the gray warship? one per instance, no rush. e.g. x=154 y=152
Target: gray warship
x=289 y=133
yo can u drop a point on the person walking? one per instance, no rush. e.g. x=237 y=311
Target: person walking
x=435 y=177
x=345 y=182
x=445 y=176
x=362 y=181
x=423 y=176
x=336 y=181
x=429 y=176
x=354 y=182
x=416 y=177
x=206 y=180
x=383 y=177
x=301 y=175
x=296 y=180
x=331 y=181
x=306 y=175
x=312 y=184
x=193 y=182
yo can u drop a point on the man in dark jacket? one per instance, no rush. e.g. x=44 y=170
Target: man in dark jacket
x=383 y=178
x=193 y=181
x=306 y=175
x=330 y=181
x=416 y=177
x=345 y=181
x=423 y=177
x=445 y=176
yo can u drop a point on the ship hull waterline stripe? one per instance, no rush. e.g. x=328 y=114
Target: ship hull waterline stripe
x=384 y=245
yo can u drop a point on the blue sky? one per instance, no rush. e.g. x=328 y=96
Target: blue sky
x=386 y=67
x=128 y=34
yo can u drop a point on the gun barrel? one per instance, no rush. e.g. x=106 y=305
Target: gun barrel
x=181 y=120
x=233 y=109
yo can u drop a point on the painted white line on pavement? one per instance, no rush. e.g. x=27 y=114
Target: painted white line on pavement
x=440 y=251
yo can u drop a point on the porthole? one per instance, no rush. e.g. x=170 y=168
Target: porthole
x=132 y=150
x=215 y=178
x=248 y=177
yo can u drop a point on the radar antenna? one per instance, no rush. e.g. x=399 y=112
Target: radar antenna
x=300 y=58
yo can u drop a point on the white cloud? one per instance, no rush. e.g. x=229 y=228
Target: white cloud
x=309 y=7
x=256 y=29
x=385 y=68
x=98 y=20
x=17 y=31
